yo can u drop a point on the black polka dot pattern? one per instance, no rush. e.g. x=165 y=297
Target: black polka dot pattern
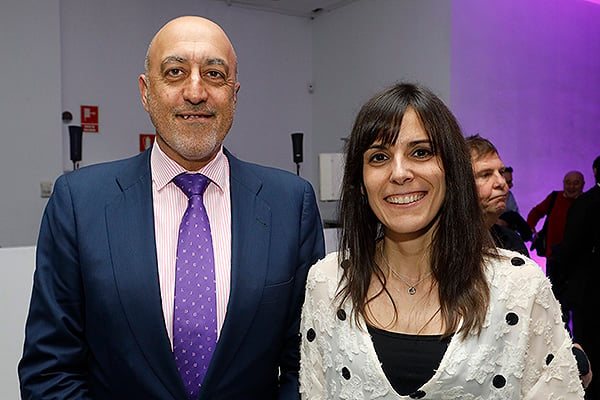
x=341 y=314
x=512 y=318
x=311 y=335
x=499 y=381
x=549 y=358
x=346 y=373
x=517 y=261
x=419 y=394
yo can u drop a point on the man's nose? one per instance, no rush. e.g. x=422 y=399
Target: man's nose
x=500 y=181
x=195 y=89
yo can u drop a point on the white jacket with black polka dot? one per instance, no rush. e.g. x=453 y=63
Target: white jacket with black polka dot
x=523 y=351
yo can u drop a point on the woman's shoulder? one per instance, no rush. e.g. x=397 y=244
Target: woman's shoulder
x=324 y=273
x=326 y=268
x=514 y=270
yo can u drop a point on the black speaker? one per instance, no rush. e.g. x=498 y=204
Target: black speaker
x=297 y=147
x=75 y=136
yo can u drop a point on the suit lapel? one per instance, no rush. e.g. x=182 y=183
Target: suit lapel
x=130 y=225
x=250 y=233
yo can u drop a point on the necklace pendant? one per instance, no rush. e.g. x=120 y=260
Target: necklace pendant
x=412 y=290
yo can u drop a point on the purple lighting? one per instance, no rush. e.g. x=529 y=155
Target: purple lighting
x=526 y=75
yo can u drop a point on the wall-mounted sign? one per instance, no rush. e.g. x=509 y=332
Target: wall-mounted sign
x=89 y=118
x=146 y=140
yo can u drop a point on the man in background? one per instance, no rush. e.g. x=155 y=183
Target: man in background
x=554 y=207
x=511 y=202
x=511 y=218
x=488 y=169
x=579 y=255
x=178 y=273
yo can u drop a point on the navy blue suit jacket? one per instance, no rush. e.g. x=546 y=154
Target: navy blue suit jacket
x=95 y=328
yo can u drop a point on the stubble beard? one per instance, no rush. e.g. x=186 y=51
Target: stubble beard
x=195 y=142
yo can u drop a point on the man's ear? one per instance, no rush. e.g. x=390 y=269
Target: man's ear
x=143 y=83
x=235 y=94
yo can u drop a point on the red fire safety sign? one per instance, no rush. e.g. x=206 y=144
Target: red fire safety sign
x=89 y=118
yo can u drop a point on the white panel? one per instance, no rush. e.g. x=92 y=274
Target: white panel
x=16 y=277
x=331 y=167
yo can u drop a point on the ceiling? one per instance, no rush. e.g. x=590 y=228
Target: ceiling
x=299 y=8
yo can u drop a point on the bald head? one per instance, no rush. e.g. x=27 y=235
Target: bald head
x=190 y=28
x=573 y=184
x=189 y=89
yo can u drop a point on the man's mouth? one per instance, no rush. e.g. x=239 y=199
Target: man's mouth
x=405 y=199
x=189 y=117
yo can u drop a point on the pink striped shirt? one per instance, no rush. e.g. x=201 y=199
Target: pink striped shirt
x=169 y=206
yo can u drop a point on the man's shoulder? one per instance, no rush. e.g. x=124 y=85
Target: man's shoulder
x=127 y=170
x=506 y=238
x=587 y=199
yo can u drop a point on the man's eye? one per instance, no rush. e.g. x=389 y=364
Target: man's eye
x=215 y=75
x=174 y=72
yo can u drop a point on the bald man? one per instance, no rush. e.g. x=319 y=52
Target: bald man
x=556 y=211
x=103 y=321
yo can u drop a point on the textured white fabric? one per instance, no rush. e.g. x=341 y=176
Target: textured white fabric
x=523 y=352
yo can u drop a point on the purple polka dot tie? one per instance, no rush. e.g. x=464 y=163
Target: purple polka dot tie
x=195 y=313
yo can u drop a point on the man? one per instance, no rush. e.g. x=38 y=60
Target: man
x=556 y=211
x=107 y=292
x=579 y=254
x=554 y=208
x=511 y=202
x=488 y=169
x=511 y=218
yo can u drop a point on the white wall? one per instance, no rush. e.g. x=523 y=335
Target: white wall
x=104 y=44
x=16 y=272
x=30 y=149
x=84 y=52
x=366 y=46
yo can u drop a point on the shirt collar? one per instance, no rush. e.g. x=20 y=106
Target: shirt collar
x=164 y=169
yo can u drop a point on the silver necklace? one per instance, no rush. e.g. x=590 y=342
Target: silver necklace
x=412 y=288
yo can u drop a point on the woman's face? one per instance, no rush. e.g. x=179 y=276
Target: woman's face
x=404 y=182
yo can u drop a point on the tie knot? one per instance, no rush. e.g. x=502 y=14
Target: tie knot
x=191 y=184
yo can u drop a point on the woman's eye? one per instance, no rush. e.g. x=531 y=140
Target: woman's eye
x=378 y=157
x=423 y=153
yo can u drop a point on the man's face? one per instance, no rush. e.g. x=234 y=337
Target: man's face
x=190 y=89
x=491 y=185
x=508 y=177
x=573 y=185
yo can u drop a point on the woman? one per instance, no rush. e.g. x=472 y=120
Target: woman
x=418 y=303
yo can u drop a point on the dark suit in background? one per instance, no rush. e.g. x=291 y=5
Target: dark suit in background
x=579 y=255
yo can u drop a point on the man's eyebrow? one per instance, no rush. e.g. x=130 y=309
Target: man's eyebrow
x=484 y=170
x=216 y=61
x=172 y=59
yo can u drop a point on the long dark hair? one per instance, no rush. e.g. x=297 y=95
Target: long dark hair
x=460 y=242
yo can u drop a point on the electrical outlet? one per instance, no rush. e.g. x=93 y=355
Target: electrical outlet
x=46 y=189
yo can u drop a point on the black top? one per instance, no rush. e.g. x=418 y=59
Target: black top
x=408 y=361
